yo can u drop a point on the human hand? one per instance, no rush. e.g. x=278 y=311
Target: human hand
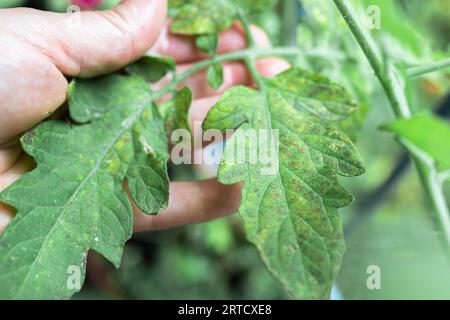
x=39 y=49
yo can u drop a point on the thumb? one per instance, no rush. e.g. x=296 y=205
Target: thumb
x=38 y=47
x=89 y=43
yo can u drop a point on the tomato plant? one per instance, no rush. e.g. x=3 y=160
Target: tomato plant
x=76 y=196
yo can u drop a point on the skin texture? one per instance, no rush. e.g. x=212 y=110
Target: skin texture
x=39 y=50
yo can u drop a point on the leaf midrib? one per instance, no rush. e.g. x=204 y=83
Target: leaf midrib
x=269 y=113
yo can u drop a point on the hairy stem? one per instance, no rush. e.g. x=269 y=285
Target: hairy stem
x=388 y=77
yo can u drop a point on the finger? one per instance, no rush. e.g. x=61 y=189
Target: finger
x=23 y=165
x=6 y=214
x=191 y=202
x=9 y=156
x=183 y=49
x=91 y=42
x=4 y=217
x=234 y=73
x=199 y=110
x=31 y=87
x=42 y=46
x=271 y=66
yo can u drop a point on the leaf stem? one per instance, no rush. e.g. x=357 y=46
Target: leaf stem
x=388 y=76
x=444 y=176
x=419 y=71
x=251 y=42
x=250 y=59
x=290 y=19
x=245 y=55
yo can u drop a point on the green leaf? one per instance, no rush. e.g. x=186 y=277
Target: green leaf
x=198 y=17
x=290 y=214
x=75 y=200
x=176 y=111
x=207 y=43
x=214 y=75
x=428 y=133
x=62 y=5
x=314 y=93
x=176 y=4
x=250 y=6
x=353 y=125
x=152 y=68
x=11 y=3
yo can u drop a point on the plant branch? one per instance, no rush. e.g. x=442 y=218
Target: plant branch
x=419 y=71
x=394 y=89
x=385 y=72
x=367 y=205
x=444 y=176
x=243 y=55
x=250 y=59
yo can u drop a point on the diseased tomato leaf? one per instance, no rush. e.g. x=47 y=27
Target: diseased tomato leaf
x=200 y=17
x=314 y=93
x=289 y=212
x=75 y=199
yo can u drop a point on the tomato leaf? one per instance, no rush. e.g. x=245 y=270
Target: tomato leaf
x=214 y=75
x=289 y=211
x=152 y=68
x=75 y=200
x=207 y=43
x=314 y=93
x=199 y=17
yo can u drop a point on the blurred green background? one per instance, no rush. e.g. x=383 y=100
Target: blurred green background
x=388 y=225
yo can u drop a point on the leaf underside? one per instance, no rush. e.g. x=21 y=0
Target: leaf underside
x=151 y=68
x=290 y=215
x=75 y=200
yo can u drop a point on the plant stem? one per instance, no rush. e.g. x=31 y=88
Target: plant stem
x=245 y=55
x=388 y=77
x=444 y=176
x=251 y=42
x=290 y=21
x=386 y=74
x=419 y=71
x=250 y=60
